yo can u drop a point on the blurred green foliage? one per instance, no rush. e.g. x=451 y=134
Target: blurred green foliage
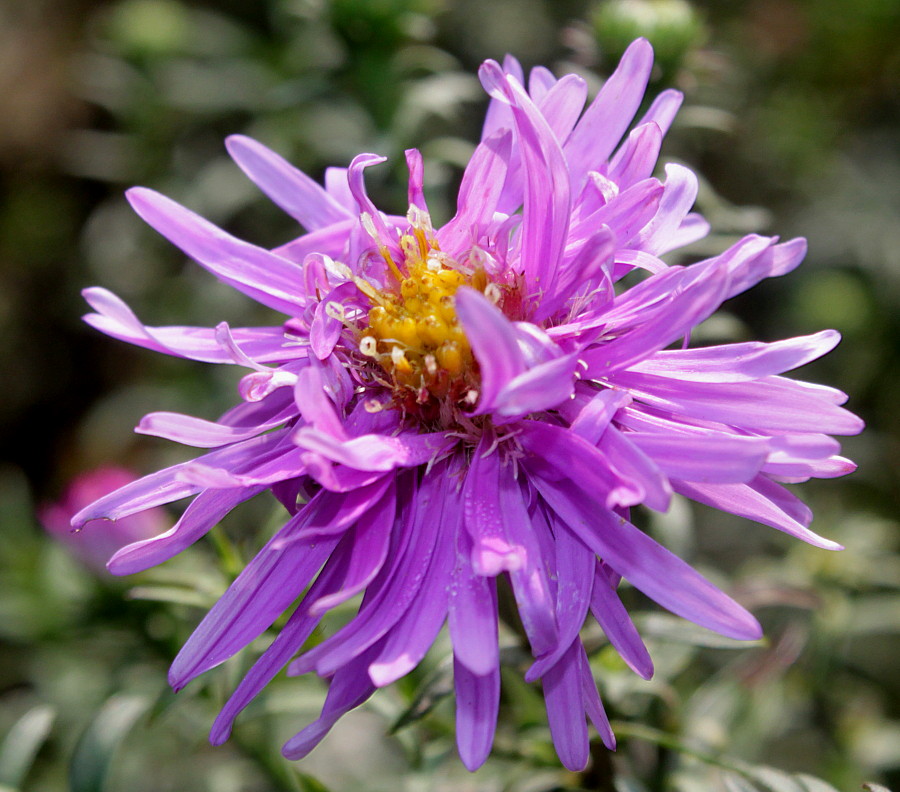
x=791 y=117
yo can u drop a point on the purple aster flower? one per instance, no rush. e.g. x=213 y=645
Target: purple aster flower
x=445 y=407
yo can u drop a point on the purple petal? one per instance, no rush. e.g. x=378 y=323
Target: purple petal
x=472 y=613
x=595 y=416
x=649 y=567
x=493 y=342
x=545 y=215
x=264 y=276
x=479 y=192
x=608 y=116
x=636 y=159
x=771 y=404
x=760 y=500
x=287 y=643
x=205 y=511
x=291 y=189
x=739 y=362
x=613 y=618
x=492 y=551
x=412 y=636
x=187 y=430
x=663 y=109
x=374 y=452
x=116 y=319
x=565 y=709
x=349 y=688
x=164 y=486
x=416 y=179
x=575 y=578
x=263 y=590
x=631 y=462
x=314 y=405
x=710 y=458
x=592 y=703
x=679 y=194
x=562 y=104
x=540 y=388
x=369 y=549
x=559 y=447
x=401 y=581
x=477 y=705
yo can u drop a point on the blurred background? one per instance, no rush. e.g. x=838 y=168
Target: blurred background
x=791 y=119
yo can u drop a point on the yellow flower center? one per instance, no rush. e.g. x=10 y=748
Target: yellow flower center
x=413 y=332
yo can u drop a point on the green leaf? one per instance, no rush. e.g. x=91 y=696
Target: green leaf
x=870 y=787
x=22 y=743
x=174 y=594
x=310 y=784
x=737 y=783
x=813 y=784
x=96 y=749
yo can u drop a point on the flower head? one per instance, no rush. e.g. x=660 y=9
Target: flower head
x=443 y=407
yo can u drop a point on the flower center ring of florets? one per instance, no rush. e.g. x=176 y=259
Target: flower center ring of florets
x=413 y=339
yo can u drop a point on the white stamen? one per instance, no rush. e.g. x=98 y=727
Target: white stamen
x=368 y=346
x=335 y=310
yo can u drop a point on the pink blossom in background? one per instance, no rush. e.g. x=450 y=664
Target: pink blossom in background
x=99 y=540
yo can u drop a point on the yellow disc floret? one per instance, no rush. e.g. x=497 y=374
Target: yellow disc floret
x=413 y=332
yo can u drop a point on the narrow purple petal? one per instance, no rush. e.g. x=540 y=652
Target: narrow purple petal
x=545 y=215
x=374 y=452
x=679 y=194
x=559 y=447
x=608 y=116
x=164 y=486
x=199 y=433
x=369 y=549
x=647 y=565
x=575 y=578
x=493 y=342
x=739 y=362
x=613 y=618
x=473 y=613
x=479 y=192
x=592 y=703
x=632 y=462
x=287 y=643
x=710 y=458
x=540 y=388
x=265 y=587
x=565 y=709
x=205 y=511
x=766 y=405
x=297 y=194
x=756 y=501
x=116 y=319
x=401 y=582
x=636 y=159
x=531 y=581
x=477 y=705
x=416 y=178
x=266 y=277
x=412 y=636
x=349 y=688
x=492 y=551
x=663 y=109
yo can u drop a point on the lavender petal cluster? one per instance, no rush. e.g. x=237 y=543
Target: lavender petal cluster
x=444 y=409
